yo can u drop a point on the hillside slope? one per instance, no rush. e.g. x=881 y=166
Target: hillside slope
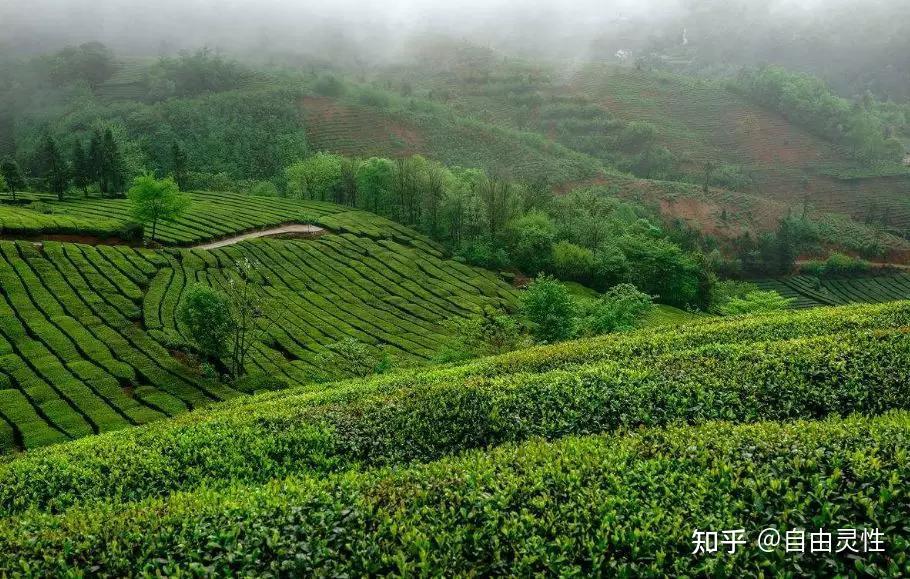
x=590 y=109
x=90 y=339
x=287 y=481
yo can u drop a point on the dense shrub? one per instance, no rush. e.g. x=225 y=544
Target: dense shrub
x=549 y=310
x=622 y=307
x=573 y=263
x=530 y=240
x=655 y=487
x=207 y=315
x=641 y=378
x=837 y=265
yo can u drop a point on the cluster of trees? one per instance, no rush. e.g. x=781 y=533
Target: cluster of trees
x=771 y=253
x=198 y=99
x=866 y=128
x=99 y=165
x=585 y=236
x=194 y=73
x=12 y=179
x=550 y=312
x=91 y=63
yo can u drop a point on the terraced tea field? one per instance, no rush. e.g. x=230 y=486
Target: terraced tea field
x=210 y=215
x=358 y=130
x=377 y=291
x=649 y=431
x=87 y=333
x=809 y=291
x=19 y=220
x=74 y=359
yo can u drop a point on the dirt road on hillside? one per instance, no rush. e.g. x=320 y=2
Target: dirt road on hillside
x=292 y=229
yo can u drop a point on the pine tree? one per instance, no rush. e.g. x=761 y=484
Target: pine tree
x=56 y=172
x=94 y=158
x=111 y=164
x=82 y=170
x=178 y=156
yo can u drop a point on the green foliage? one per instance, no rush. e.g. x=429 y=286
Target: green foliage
x=13 y=176
x=655 y=487
x=81 y=167
x=484 y=253
x=372 y=97
x=754 y=302
x=837 y=265
x=155 y=200
x=353 y=358
x=549 y=310
x=329 y=85
x=808 y=101
x=530 y=241
x=374 y=183
x=636 y=137
x=573 y=263
x=207 y=315
x=199 y=72
x=316 y=177
x=92 y=63
x=620 y=308
x=53 y=167
x=264 y=189
x=491 y=333
x=179 y=159
x=660 y=268
x=725 y=369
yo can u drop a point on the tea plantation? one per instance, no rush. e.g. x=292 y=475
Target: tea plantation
x=88 y=333
x=609 y=450
x=809 y=291
x=210 y=216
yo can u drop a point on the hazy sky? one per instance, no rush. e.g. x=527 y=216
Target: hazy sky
x=152 y=26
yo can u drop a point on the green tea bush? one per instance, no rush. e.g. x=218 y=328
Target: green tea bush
x=744 y=370
x=624 y=505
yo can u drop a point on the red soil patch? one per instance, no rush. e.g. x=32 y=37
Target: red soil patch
x=703 y=216
x=769 y=140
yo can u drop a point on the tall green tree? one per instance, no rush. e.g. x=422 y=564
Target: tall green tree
x=497 y=196
x=13 y=176
x=56 y=172
x=549 y=310
x=179 y=160
x=207 y=314
x=317 y=177
x=95 y=154
x=155 y=200
x=111 y=167
x=530 y=241
x=82 y=169
x=374 y=183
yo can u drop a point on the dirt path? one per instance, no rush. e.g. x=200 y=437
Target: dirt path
x=294 y=228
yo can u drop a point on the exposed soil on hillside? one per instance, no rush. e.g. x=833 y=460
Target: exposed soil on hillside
x=355 y=130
